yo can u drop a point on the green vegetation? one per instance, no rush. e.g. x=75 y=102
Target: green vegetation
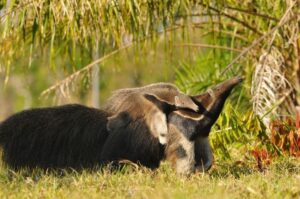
x=225 y=180
x=49 y=51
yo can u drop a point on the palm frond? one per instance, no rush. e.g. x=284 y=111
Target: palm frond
x=270 y=88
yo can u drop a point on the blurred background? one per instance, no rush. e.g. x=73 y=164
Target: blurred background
x=75 y=51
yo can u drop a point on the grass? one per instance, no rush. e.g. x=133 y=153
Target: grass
x=225 y=180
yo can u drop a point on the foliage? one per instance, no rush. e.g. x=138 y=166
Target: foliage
x=69 y=28
x=226 y=180
x=286 y=136
x=67 y=33
x=239 y=128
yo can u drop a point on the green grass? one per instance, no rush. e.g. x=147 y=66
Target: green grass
x=225 y=180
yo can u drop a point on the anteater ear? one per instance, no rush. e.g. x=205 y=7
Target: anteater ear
x=185 y=101
x=163 y=105
x=117 y=121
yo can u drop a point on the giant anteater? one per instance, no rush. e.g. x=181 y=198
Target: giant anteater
x=80 y=137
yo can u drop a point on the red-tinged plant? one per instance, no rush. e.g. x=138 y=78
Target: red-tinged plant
x=285 y=135
x=263 y=158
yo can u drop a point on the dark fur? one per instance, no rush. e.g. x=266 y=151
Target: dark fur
x=134 y=143
x=58 y=137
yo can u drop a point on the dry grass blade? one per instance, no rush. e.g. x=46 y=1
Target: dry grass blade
x=22 y=5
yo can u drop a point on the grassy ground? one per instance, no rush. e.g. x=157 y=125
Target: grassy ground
x=226 y=180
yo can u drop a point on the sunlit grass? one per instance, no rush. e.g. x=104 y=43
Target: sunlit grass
x=225 y=180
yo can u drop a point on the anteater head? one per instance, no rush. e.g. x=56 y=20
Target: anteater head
x=189 y=130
